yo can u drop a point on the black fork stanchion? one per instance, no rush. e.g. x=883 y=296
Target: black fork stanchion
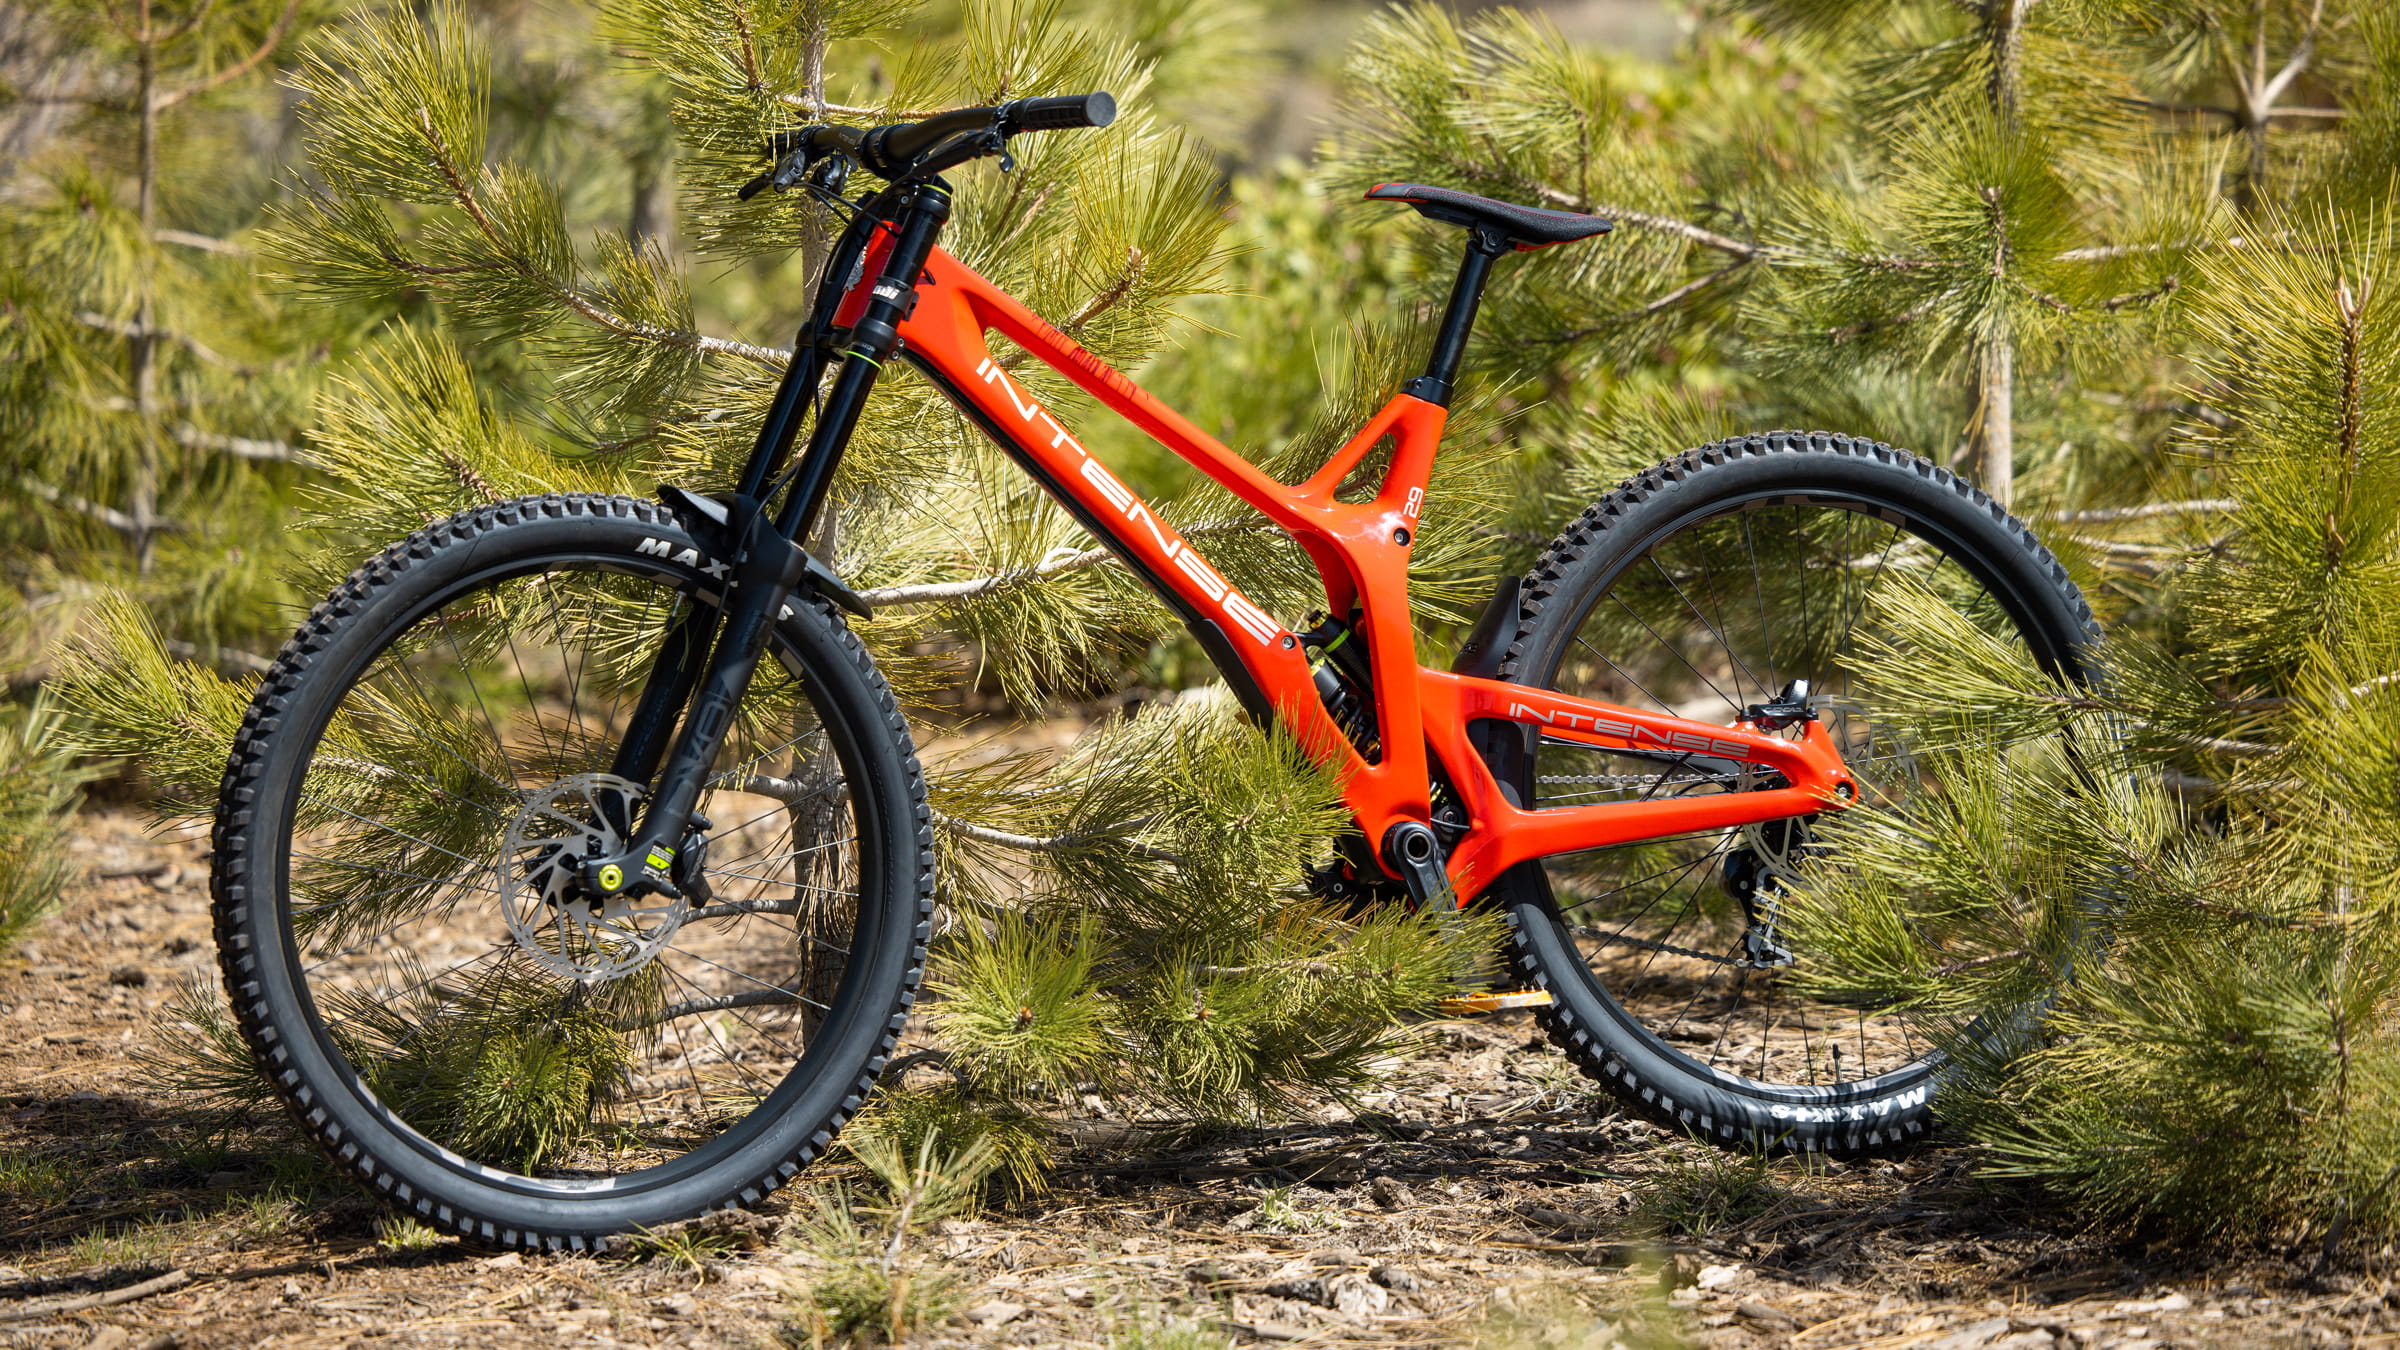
x=768 y=564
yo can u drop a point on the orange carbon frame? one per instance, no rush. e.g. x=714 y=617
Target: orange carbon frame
x=1360 y=552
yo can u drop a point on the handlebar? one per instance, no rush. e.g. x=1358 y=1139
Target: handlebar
x=924 y=148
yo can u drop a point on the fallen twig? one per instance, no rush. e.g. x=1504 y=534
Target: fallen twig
x=173 y=1279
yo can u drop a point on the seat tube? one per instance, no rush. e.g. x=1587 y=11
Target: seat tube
x=872 y=340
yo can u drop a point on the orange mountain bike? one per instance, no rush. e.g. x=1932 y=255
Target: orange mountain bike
x=608 y=783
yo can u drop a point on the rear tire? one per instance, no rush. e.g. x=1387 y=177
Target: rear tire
x=1666 y=595
x=459 y=696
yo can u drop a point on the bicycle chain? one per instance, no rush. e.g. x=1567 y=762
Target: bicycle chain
x=1620 y=779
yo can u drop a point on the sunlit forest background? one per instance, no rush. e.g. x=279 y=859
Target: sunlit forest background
x=2128 y=266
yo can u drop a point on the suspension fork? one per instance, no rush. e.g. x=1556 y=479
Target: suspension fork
x=767 y=562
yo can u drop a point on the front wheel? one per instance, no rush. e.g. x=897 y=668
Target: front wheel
x=1702 y=586
x=407 y=950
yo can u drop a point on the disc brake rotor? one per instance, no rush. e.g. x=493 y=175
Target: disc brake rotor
x=548 y=912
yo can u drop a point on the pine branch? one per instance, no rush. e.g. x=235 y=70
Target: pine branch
x=274 y=39
x=107 y=515
x=2109 y=514
x=221 y=658
x=939 y=592
x=2212 y=416
x=241 y=446
x=2322 y=116
x=2115 y=549
x=1658 y=306
x=134 y=332
x=1109 y=297
x=1053 y=843
x=817 y=109
x=464 y=193
x=753 y=998
x=1978 y=963
x=1644 y=220
x=199 y=241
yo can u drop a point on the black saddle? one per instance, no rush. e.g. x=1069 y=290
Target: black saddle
x=1526 y=227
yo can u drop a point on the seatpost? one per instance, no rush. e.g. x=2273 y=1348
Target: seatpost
x=1466 y=293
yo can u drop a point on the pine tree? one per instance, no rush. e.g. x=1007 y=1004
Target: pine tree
x=1130 y=914
x=153 y=398
x=1956 y=226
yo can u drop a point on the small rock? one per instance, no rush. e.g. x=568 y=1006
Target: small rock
x=2035 y=1339
x=1077 y=1295
x=504 y=1261
x=1310 y=1290
x=291 y=1291
x=2173 y=1303
x=749 y=1277
x=1970 y=1337
x=1767 y=1313
x=167 y=877
x=108 y=1338
x=1354 y=1295
x=1717 y=1277
x=1398 y=1279
x=676 y=1305
x=132 y=977
x=995 y=1313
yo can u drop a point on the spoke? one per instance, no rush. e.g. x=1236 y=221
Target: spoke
x=400 y=833
x=1713 y=630
x=499 y=743
x=1676 y=652
x=745 y=975
x=1758 y=587
x=1621 y=672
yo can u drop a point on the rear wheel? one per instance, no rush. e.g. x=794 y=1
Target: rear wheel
x=1703 y=586
x=407 y=952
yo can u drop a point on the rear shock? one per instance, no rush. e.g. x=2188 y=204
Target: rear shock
x=1337 y=661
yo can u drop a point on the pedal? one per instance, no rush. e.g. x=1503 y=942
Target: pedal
x=1495 y=1000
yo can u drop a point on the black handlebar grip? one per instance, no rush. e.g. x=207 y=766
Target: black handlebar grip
x=1062 y=113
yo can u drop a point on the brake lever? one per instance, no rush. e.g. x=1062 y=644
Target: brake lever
x=830 y=173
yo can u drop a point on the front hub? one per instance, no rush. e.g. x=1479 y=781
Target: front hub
x=553 y=915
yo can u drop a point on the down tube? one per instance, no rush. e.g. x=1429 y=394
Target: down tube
x=1239 y=665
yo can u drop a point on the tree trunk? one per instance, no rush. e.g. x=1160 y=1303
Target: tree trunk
x=652 y=217
x=2003 y=22
x=1999 y=417
x=142 y=347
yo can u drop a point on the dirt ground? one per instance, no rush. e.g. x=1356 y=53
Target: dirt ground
x=1487 y=1197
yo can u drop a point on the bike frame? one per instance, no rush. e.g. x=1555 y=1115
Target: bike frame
x=906 y=295
x=1361 y=552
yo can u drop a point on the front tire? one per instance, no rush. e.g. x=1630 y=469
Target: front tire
x=441 y=1014
x=1699 y=586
